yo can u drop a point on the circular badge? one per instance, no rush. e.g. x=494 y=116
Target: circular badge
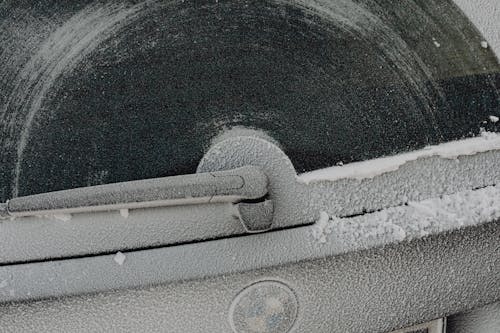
x=264 y=307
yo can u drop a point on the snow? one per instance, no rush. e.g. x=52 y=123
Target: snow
x=494 y=119
x=488 y=135
x=124 y=212
x=369 y=169
x=416 y=219
x=436 y=43
x=321 y=228
x=62 y=217
x=119 y=258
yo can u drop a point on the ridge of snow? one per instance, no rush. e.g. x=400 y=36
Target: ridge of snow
x=371 y=168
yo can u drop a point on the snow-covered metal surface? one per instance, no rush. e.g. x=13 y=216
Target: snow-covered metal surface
x=422 y=280
x=414 y=219
x=407 y=236
x=38 y=238
x=239 y=254
x=418 y=177
x=417 y=180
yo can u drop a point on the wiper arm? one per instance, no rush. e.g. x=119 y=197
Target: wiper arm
x=245 y=183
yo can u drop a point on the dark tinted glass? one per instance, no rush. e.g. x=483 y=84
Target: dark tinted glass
x=94 y=92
